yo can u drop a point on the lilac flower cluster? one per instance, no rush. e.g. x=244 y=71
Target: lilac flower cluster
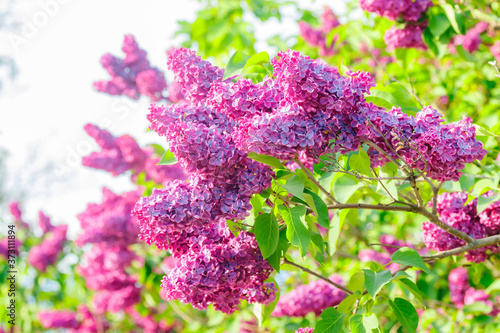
x=471 y=40
x=111 y=228
x=44 y=222
x=454 y=211
x=317 y=37
x=312 y=297
x=407 y=10
x=424 y=143
x=305 y=330
x=222 y=273
x=132 y=76
x=408 y=37
x=109 y=221
x=16 y=213
x=118 y=155
x=188 y=218
x=320 y=111
x=461 y=293
x=58 y=319
x=82 y=321
x=46 y=254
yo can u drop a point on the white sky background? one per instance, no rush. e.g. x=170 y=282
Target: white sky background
x=43 y=112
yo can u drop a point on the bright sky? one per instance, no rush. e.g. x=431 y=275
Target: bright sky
x=57 y=47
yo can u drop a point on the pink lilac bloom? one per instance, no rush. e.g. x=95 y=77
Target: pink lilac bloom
x=317 y=37
x=408 y=37
x=458 y=282
x=490 y=218
x=305 y=330
x=46 y=254
x=109 y=221
x=88 y=323
x=220 y=273
x=472 y=39
x=329 y=20
x=312 y=297
x=58 y=319
x=44 y=222
x=495 y=50
x=163 y=173
x=424 y=143
x=407 y=10
x=249 y=326
x=453 y=211
x=116 y=300
x=133 y=75
x=17 y=214
x=117 y=155
x=175 y=93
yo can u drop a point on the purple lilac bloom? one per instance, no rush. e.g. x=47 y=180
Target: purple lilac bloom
x=46 y=254
x=58 y=319
x=305 y=330
x=454 y=211
x=458 y=282
x=16 y=213
x=132 y=76
x=424 y=143
x=495 y=51
x=109 y=221
x=407 y=10
x=44 y=222
x=472 y=39
x=312 y=297
x=408 y=37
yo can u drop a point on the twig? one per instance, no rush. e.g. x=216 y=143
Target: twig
x=478 y=243
x=311 y=178
x=319 y=276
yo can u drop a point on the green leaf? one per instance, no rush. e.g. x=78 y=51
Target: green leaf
x=454 y=18
x=495 y=286
x=408 y=256
x=483 y=202
x=356 y=324
x=361 y=163
x=331 y=321
x=392 y=95
x=295 y=185
x=345 y=186
x=356 y=282
x=374 y=281
x=346 y=304
x=370 y=322
x=257 y=59
x=296 y=231
x=267 y=234
x=481 y=131
x=465 y=54
x=438 y=24
x=167 y=159
x=413 y=288
x=267 y=160
x=319 y=208
x=478 y=308
x=429 y=41
x=333 y=234
x=283 y=244
x=406 y=314
x=236 y=64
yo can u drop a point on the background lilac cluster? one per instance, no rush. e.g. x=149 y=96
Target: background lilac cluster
x=454 y=211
